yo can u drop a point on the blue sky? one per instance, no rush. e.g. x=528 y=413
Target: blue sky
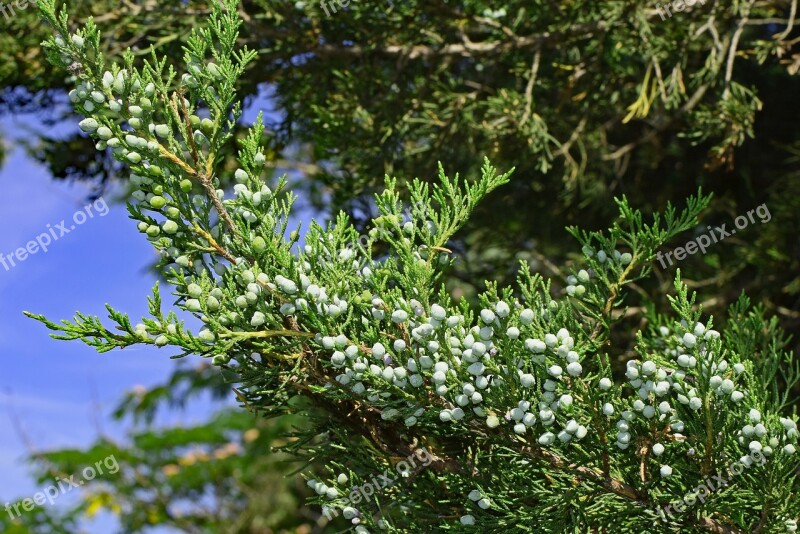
x=63 y=392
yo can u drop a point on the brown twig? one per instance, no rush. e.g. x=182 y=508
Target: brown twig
x=465 y=49
x=189 y=132
x=214 y=245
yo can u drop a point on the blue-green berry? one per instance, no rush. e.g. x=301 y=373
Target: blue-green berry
x=88 y=125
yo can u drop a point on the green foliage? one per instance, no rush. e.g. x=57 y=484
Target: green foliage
x=608 y=98
x=358 y=335
x=587 y=100
x=207 y=477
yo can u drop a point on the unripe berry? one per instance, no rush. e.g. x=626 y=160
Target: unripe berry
x=258 y=319
x=88 y=125
x=170 y=227
x=213 y=70
x=502 y=309
x=104 y=133
x=338 y=359
x=689 y=340
x=399 y=316
x=194 y=290
x=574 y=369
x=259 y=244
x=206 y=335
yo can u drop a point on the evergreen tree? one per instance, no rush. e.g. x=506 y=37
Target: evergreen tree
x=587 y=100
x=504 y=416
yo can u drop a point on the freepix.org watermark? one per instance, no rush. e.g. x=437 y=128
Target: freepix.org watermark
x=382 y=481
x=8 y=9
x=53 y=234
x=62 y=486
x=711 y=484
x=714 y=235
x=677 y=5
x=330 y=5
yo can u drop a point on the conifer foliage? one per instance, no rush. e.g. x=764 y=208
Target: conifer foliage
x=514 y=405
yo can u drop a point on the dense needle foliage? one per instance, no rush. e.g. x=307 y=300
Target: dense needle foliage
x=513 y=404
